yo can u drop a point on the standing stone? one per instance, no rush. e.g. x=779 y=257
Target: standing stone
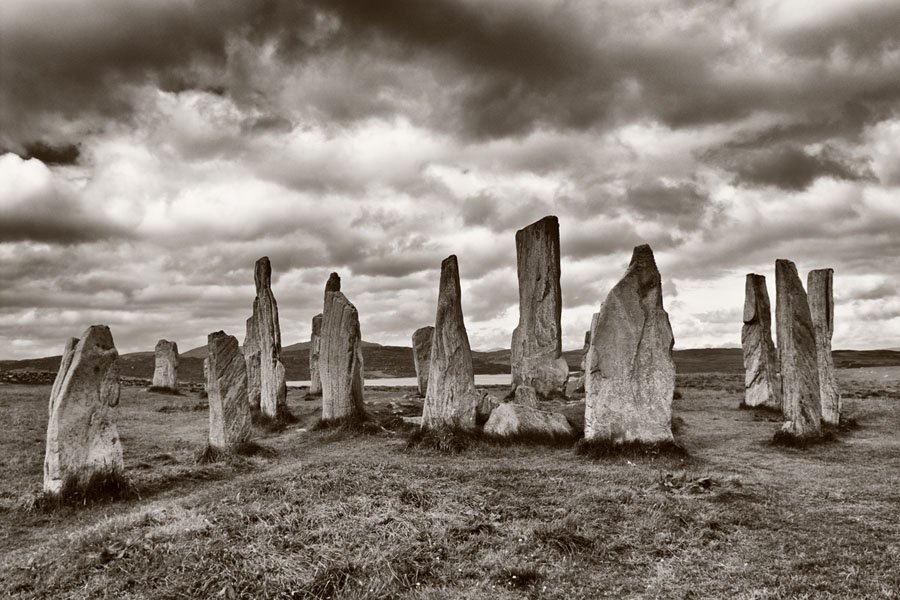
x=206 y=373
x=165 y=373
x=229 y=412
x=315 y=349
x=819 y=286
x=341 y=359
x=82 y=438
x=251 y=359
x=264 y=334
x=630 y=375
x=796 y=354
x=575 y=385
x=421 y=346
x=761 y=386
x=451 y=399
x=536 y=354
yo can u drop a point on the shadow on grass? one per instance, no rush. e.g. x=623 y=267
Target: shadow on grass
x=353 y=425
x=211 y=454
x=155 y=389
x=762 y=409
x=606 y=449
x=88 y=488
x=196 y=407
x=453 y=440
x=783 y=439
x=282 y=420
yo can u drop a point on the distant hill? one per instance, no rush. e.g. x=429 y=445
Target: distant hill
x=396 y=361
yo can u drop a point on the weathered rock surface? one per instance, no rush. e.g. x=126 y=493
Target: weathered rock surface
x=82 y=437
x=264 y=334
x=340 y=359
x=451 y=399
x=796 y=354
x=820 y=290
x=251 y=359
x=761 y=385
x=315 y=351
x=229 y=412
x=486 y=405
x=574 y=385
x=536 y=352
x=526 y=396
x=165 y=372
x=421 y=346
x=630 y=375
x=513 y=419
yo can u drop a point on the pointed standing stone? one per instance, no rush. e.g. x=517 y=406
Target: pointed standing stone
x=421 y=346
x=819 y=286
x=82 y=437
x=315 y=350
x=229 y=412
x=251 y=359
x=165 y=372
x=630 y=375
x=796 y=355
x=451 y=399
x=340 y=360
x=761 y=385
x=536 y=353
x=264 y=335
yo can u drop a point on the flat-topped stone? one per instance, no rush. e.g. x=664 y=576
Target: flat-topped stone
x=165 y=370
x=820 y=290
x=229 y=411
x=762 y=387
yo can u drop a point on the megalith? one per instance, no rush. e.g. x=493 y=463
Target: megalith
x=797 y=355
x=229 y=411
x=251 y=359
x=630 y=373
x=264 y=337
x=421 y=347
x=761 y=385
x=451 y=399
x=819 y=289
x=536 y=352
x=165 y=372
x=82 y=437
x=315 y=349
x=340 y=358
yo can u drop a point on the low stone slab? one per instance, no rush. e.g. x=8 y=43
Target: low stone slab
x=512 y=420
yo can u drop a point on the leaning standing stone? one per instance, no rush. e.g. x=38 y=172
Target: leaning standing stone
x=536 y=353
x=229 y=412
x=819 y=285
x=82 y=437
x=761 y=386
x=165 y=372
x=421 y=346
x=315 y=350
x=451 y=399
x=796 y=354
x=630 y=374
x=341 y=360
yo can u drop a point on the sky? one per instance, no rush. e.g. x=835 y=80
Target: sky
x=150 y=152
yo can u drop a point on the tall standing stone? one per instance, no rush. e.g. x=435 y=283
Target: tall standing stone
x=421 y=347
x=82 y=437
x=630 y=375
x=819 y=286
x=165 y=372
x=341 y=359
x=451 y=399
x=536 y=354
x=761 y=385
x=251 y=359
x=229 y=412
x=315 y=350
x=267 y=332
x=796 y=355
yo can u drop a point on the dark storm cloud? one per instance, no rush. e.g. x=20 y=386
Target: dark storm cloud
x=684 y=202
x=65 y=154
x=789 y=167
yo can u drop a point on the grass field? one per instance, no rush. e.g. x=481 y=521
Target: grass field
x=330 y=514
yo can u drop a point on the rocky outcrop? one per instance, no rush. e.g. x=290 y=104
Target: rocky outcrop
x=421 y=346
x=797 y=355
x=761 y=385
x=514 y=420
x=819 y=288
x=165 y=372
x=630 y=374
x=229 y=412
x=264 y=336
x=340 y=360
x=315 y=350
x=451 y=399
x=536 y=352
x=82 y=437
